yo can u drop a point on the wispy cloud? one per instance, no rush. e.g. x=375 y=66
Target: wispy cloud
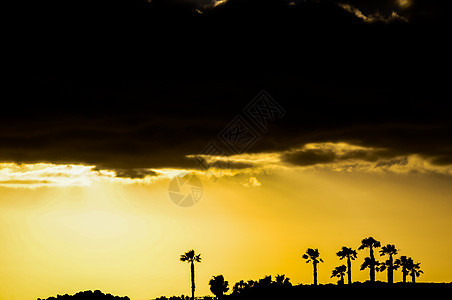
x=46 y=174
x=252 y=183
x=335 y=157
x=373 y=17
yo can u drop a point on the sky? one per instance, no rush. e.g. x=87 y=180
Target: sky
x=345 y=133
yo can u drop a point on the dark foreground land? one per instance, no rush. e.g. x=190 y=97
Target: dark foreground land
x=355 y=291
x=359 y=291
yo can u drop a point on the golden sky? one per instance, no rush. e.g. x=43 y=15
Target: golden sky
x=66 y=228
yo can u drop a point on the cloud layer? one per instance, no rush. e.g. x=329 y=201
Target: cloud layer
x=181 y=77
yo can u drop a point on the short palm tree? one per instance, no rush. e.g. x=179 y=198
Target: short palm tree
x=350 y=254
x=370 y=261
x=191 y=258
x=313 y=255
x=403 y=262
x=218 y=286
x=340 y=273
x=414 y=270
x=389 y=263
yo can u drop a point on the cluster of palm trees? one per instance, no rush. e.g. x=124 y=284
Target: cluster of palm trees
x=219 y=286
x=408 y=266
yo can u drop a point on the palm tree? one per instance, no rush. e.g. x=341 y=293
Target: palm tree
x=191 y=258
x=415 y=270
x=403 y=262
x=372 y=264
x=350 y=254
x=370 y=261
x=389 y=264
x=313 y=255
x=339 y=272
x=218 y=286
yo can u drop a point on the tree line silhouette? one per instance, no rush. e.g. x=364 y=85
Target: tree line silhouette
x=281 y=285
x=219 y=286
x=87 y=295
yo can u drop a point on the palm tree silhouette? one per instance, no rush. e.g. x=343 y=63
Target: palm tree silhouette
x=218 y=286
x=370 y=261
x=414 y=270
x=191 y=258
x=313 y=255
x=389 y=263
x=350 y=254
x=340 y=273
x=403 y=262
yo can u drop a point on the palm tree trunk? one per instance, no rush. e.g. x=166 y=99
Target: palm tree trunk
x=315 y=273
x=192 y=267
x=342 y=280
x=390 y=270
x=349 y=270
x=372 y=266
x=413 y=277
x=404 y=274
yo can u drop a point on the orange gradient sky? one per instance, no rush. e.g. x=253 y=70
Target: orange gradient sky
x=125 y=236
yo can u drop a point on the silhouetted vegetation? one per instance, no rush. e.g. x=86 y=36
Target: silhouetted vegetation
x=282 y=288
x=404 y=262
x=87 y=295
x=218 y=286
x=350 y=254
x=191 y=258
x=313 y=255
x=357 y=290
x=415 y=270
x=389 y=250
x=370 y=262
x=339 y=272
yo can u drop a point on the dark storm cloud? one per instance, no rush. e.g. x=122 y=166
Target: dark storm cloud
x=131 y=126
x=308 y=157
x=369 y=11
x=179 y=78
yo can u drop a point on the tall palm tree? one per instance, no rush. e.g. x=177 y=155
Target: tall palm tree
x=404 y=262
x=370 y=261
x=218 y=286
x=389 y=264
x=313 y=255
x=339 y=272
x=191 y=258
x=350 y=254
x=415 y=270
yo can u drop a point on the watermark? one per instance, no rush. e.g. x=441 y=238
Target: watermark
x=185 y=190
x=236 y=138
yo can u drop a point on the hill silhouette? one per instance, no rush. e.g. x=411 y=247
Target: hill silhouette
x=87 y=295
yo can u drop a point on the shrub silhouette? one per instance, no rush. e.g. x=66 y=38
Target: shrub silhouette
x=218 y=286
x=87 y=295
